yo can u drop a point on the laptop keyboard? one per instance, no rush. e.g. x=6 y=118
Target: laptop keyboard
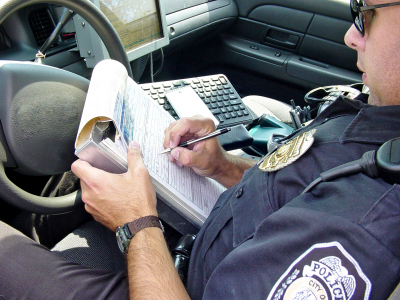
x=216 y=92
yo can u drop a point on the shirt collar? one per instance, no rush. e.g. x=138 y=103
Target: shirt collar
x=372 y=124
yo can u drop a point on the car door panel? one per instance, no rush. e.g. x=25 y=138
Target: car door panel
x=272 y=15
x=330 y=8
x=187 y=23
x=298 y=42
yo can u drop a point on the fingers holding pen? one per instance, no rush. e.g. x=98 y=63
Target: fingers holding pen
x=183 y=130
x=186 y=129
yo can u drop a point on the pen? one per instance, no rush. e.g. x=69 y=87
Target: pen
x=206 y=137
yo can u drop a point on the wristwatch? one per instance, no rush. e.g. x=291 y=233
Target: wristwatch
x=127 y=231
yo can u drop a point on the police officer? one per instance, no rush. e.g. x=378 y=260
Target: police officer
x=264 y=239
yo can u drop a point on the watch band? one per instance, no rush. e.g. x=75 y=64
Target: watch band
x=125 y=233
x=144 y=222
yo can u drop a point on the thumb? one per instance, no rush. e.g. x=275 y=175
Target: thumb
x=134 y=155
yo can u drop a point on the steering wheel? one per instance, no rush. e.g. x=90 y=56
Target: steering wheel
x=40 y=110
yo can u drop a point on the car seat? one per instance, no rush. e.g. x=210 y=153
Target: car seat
x=259 y=105
x=91 y=245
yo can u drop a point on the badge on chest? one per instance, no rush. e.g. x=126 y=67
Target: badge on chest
x=288 y=152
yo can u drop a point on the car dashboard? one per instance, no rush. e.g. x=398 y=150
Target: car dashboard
x=25 y=31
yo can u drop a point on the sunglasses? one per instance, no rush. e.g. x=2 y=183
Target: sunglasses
x=358 y=10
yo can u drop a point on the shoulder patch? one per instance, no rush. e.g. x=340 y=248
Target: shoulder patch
x=323 y=272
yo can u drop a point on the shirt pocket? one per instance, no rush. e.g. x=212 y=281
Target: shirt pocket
x=250 y=206
x=222 y=212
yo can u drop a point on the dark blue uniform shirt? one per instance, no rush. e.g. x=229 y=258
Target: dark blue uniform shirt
x=263 y=240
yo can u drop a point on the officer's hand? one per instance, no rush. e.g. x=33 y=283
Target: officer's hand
x=205 y=157
x=115 y=199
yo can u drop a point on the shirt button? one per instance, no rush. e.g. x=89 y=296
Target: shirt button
x=239 y=192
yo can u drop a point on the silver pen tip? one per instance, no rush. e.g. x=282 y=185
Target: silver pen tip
x=165 y=151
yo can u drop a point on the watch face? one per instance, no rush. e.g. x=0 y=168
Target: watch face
x=122 y=239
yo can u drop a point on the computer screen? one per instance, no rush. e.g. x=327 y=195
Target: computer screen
x=140 y=24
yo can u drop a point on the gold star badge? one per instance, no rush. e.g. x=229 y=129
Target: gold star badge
x=288 y=153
